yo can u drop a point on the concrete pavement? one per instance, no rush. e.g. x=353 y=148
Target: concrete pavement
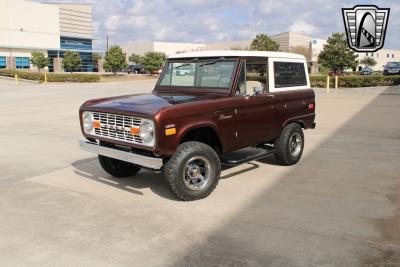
x=338 y=207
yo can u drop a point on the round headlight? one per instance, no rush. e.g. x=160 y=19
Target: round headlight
x=146 y=132
x=87 y=123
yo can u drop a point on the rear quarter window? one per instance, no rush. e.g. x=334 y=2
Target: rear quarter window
x=288 y=74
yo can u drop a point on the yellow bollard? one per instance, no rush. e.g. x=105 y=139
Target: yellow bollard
x=336 y=82
x=45 y=78
x=327 y=84
x=16 y=79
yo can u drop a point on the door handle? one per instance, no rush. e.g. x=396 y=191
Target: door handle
x=270 y=95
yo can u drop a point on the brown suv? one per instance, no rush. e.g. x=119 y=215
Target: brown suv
x=190 y=123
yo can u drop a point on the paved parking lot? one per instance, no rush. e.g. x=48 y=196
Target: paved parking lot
x=339 y=206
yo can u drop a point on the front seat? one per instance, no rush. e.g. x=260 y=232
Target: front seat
x=254 y=87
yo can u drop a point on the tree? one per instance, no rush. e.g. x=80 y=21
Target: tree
x=72 y=61
x=302 y=50
x=368 y=61
x=135 y=58
x=263 y=42
x=95 y=59
x=115 y=59
x=39 y=60
x=337 y=55
x=153 y=61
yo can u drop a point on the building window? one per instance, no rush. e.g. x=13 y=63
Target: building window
x=392 y=55
x=372 y=54
x=86 y=57
x=22 y=62
x=3 y=63
x=387 y=55
x=289 y=74
x=377 y=54
x=366 y=54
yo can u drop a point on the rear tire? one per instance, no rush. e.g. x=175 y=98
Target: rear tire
x=290 y=144
x=118 y=168
x=193 y=171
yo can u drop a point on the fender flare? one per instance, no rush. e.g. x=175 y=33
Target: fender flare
x=202 y=124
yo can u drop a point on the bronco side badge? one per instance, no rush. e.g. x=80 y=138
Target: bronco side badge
x=365 y=27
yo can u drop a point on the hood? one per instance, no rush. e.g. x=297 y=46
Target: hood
x=143 y=104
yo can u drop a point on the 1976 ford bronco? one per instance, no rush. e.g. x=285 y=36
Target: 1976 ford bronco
x=223 y=101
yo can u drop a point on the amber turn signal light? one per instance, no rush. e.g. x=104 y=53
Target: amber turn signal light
x=135 y=130
x=170 y=131
x=96 y=124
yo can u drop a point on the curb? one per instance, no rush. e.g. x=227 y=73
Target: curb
x=19 y=80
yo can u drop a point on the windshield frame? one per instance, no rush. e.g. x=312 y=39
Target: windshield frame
x=202 y=60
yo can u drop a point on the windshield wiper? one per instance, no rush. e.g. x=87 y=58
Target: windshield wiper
x=213 y=62
x=187 y=64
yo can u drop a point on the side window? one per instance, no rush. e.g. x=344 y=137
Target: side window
x=289 y=74
x=256 y=77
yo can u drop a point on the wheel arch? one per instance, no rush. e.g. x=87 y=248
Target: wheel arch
x=294 y=120
x=205 y=133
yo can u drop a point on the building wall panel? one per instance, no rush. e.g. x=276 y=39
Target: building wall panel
x=25 y=20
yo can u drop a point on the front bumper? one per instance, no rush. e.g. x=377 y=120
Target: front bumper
x=144 y=161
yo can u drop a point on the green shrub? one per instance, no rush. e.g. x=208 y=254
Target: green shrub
x=55 y=77
x=51 y=77
x=320 y=80
x=348 y=81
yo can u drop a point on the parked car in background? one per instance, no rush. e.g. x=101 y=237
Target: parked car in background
x=391 y=68
x=337 y=72
x=366 y=71
x=134 y=68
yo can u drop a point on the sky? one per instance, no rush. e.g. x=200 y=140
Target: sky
x=209 y=21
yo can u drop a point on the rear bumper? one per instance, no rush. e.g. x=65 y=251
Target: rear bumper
x=313 y=125
x=144 y=161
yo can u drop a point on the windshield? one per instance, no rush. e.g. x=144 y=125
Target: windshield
x=393 y=64
x=215 y=73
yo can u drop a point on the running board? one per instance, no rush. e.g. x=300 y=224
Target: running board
x=256 y=156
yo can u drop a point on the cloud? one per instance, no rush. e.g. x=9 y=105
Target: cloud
x=205 y=21
x=303 y=27
x=112 y=23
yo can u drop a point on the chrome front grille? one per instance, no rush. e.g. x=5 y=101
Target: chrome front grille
x=117 y=127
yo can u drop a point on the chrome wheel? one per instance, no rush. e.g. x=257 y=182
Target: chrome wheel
x=196 y=173
x=295 y=144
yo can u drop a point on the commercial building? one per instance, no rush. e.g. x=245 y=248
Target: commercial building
x=50 y=28
x=288 y=41
x=169 y=48
x=381 y=57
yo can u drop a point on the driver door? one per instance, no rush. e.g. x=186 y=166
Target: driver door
x=254 y=104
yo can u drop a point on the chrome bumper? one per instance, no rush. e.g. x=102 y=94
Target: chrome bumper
x=148 y=162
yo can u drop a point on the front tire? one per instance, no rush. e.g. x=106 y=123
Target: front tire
x=193 y=171
x=118 y=168
x=290 y=144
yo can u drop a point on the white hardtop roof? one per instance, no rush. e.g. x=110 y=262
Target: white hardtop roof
x=236 y=53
